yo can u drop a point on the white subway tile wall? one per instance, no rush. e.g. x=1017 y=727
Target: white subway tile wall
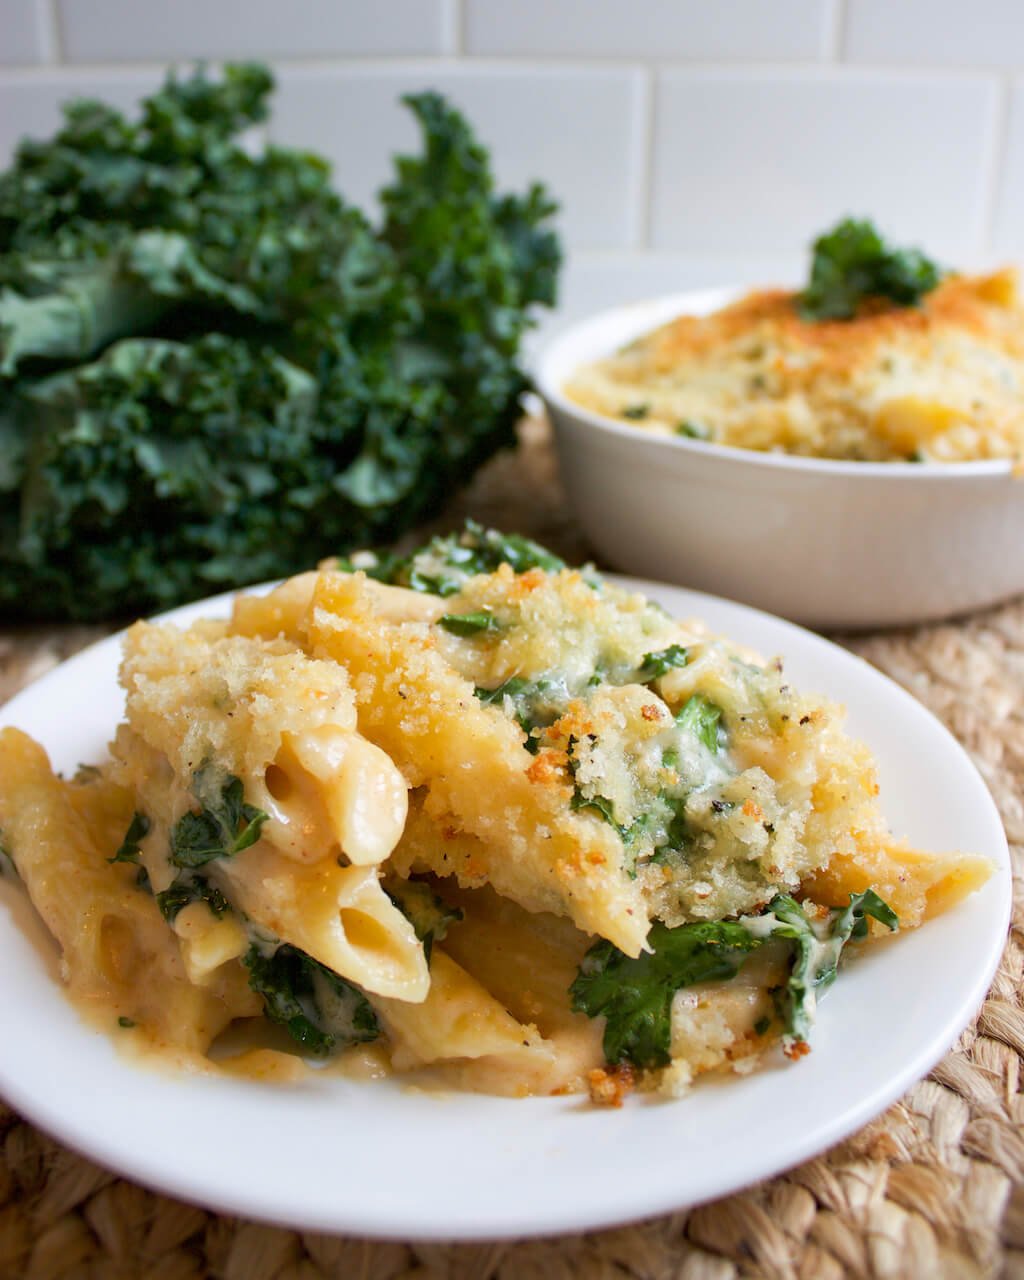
x=22 y=33
x=936 y=33
x=533 y=119
x=690 y=30
x=689 y=142
x=751 y=161
x=1008 y=231
x=127 y=30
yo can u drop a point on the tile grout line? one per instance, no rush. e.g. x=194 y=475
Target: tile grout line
x=48 y=26
x=997 y=144
x=784 y=70
x=839 y=32
x=644 y=213
x=456 y=22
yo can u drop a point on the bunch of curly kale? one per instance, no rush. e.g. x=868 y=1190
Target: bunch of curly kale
x=214 y=371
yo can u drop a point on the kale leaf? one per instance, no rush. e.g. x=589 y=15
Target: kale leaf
x=137 y=831
x=470 y=624
x=187 y=889
x=210 y=334
x=600 y=804
x=429 y=915
x=635 y=995
x=657 y=664
x=815 y=959
x=523 y=697
x=318 y=1008
x=446 y=563
x=514 y=687
x=703 y=719
x=224 y=824
x=852 y=263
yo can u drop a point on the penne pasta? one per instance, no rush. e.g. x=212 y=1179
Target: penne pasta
x=425 y=716
x=115 y=955
x=338 y=915
x=490 y=822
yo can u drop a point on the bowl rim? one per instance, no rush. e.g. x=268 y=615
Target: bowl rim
x=549 y=387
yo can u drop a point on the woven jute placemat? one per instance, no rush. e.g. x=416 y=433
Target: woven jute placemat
x=934 y=1187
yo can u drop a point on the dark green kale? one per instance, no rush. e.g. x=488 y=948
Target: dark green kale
x=137 y=831
x=601 y=806
x=703 y=719
x=514 y=687
x=657 y=664
x=852 y=263
x=185 y=890
x=470 y=624
x=635 y=995
x=629 y=833
x=320 y=1010
x=693 y=430
x=213 y=337
x=636 y=412
x=815 y=959
x=524 y=696
x=446 y=563
x=429 y=915
x=224 y=824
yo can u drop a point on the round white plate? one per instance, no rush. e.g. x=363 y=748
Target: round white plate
x=376 y=1159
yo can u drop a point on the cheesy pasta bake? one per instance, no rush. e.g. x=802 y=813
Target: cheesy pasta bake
x=852 y=368
x=466 y=813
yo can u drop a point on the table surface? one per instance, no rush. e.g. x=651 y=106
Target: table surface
x=934 y=1187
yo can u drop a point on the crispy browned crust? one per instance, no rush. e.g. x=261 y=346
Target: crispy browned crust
x=984 y=306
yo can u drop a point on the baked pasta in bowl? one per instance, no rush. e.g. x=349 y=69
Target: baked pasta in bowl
x=806 y=451
x=469 y=816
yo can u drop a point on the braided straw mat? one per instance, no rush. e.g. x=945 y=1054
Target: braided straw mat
x=935 y=1187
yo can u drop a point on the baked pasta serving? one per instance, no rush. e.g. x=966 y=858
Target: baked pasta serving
x=467 y=813
x=881 y=358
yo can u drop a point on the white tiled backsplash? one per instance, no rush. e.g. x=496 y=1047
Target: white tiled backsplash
x=691 y=142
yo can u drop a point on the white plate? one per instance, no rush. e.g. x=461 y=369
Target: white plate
x=375 y=1159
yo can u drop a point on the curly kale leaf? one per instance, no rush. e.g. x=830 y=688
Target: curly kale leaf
x=654 y=665
x=112 y=226
x=635 y=995
x=470 y=624
x=186 y=889
x=429 y=915
x=285 y=379
x=815 y=958
x=316 y=1007
x=531 y=703
x=852 y=263
x=223 y=825
x=137 y=831
x=703 y=718
x=214 y=441
x=445 y=564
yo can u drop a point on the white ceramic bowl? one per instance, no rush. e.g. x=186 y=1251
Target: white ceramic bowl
x=829 y=544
